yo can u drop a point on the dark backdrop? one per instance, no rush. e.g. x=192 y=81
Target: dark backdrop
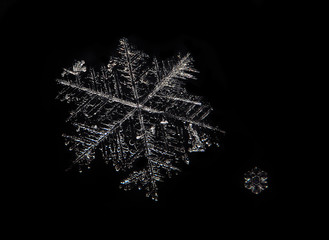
x=238 y=48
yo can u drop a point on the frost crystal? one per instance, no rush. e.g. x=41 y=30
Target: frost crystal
x=136 y=111
x=255 y=180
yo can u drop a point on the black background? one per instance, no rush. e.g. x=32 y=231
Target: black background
x=239 y=50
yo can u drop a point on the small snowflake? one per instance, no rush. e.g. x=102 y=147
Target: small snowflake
x=255 y=180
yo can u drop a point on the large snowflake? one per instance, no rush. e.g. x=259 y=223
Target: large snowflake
x=137 y=112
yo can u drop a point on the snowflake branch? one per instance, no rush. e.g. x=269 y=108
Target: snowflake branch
x=97 y=93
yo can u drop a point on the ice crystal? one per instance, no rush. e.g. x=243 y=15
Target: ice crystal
x=255 y=180
x=134 y=110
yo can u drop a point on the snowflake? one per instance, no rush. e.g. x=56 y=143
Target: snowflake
x=255 y=180
x=136 y=111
